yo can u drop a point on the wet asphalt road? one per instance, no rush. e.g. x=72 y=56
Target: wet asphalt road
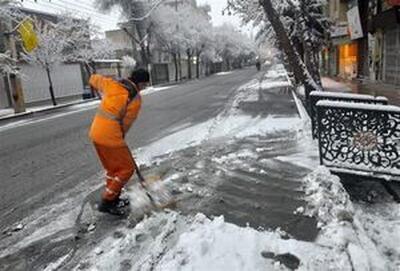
x=51 y=153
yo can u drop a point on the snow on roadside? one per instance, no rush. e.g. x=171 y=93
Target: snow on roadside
x=152 y=89
x=170 y=241
x=230 y=123
x=223 y=73
x=233 y=127
x=369 y=237
x=381 y=222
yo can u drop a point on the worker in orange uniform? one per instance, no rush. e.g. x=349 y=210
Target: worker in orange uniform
x=120 y=106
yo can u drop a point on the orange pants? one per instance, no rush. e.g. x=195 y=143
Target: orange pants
x=119 y=166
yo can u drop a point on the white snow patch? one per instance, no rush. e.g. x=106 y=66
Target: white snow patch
x=43 y=119
x=152 y=89
x=330 y=84
x=232 y=126
x=274 y=84
x=375 y=107
x=55 y=265
x=170 y=241
x=223 y=73
x=328 y=94
x=343 y=228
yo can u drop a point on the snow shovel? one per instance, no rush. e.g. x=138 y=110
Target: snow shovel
x=155 y=190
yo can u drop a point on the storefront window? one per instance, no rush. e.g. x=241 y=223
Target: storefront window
x=348 y=60
x=392 y=58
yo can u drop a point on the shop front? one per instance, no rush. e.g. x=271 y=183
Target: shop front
x=348 y=60
x=391 y=63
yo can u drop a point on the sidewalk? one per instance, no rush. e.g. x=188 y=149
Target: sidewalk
x=250 y=196
x=8 y=113
x=392 y=92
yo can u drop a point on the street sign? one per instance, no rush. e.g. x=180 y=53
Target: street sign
x=353 y=17
x=28 y=35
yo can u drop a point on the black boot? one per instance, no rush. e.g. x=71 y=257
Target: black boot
x=123 y=202
x=112 y=207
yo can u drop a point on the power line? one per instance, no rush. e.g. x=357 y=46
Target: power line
x=57 y=7
x=90 y=9
x=148 y=13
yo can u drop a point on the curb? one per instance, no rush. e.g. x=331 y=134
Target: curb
x=52 y=108
x=300 y=108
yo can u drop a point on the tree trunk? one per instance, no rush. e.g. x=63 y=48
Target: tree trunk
x=198 y=65
x=138 y=10
x=312 y=63
x=180 y=66
x=316 y=60
x=363 y=65
x=300 y=71
x=189 y=63
x=228 y=64
x=176 y=67
x=53 y=98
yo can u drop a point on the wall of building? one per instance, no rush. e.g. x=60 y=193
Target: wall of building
x=67 y=81
x=391 y=64
x=4 y=102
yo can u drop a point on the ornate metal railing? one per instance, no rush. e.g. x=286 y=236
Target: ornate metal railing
x=317 y=96
x=362 y=137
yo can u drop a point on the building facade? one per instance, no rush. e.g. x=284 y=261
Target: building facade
x=377 y=42
x=341 y=56
x=67 y=77
x=384 y=29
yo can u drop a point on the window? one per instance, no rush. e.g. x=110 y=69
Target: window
x=392 y=57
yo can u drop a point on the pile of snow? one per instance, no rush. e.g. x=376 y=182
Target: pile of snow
x=266 y=84
x=275 y=72
x=344 y=229
x=224 y=73
x=153 y=89
x=170 y=241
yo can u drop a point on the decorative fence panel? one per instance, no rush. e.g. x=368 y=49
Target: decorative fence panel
x=361 y=137
x=317 y=96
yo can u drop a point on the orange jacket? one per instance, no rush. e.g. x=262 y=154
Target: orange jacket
x=116 y=112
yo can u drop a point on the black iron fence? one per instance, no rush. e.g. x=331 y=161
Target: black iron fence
x=359 y=136
x=317 y=96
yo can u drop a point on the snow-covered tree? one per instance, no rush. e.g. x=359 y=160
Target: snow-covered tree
x=231 y=45
x=185 y=30
x=9 y=13
x=67 y=40
x=270 y=15
x=194 y=28
x=136 y=12
x=308 y=29
x=49 y=51
x=129 y=64
x=7 y=64
x=166 y=23
x=82 y=45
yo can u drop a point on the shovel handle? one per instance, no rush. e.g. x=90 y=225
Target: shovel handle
x=138 y=173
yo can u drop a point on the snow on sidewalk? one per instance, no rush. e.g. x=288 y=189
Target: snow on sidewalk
x=353 y=236
x=332 y=85
x=174 y=241
x=369 y=234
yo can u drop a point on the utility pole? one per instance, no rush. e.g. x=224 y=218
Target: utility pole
x=15 y=79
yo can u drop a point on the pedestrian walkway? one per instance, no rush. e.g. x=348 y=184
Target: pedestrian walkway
x=392 y=92
x=8 y=113
x=254 y=179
